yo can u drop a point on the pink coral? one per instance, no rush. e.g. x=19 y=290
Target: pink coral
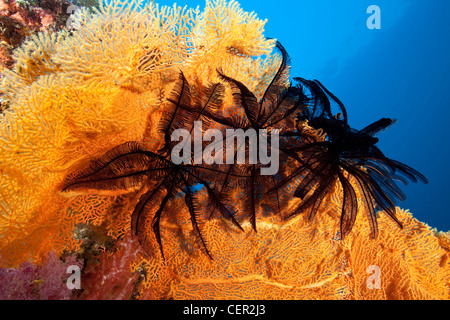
x=19 y=21
x=38 y=282
x=111 y=277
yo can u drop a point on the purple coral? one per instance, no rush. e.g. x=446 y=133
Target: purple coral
x=38 y=282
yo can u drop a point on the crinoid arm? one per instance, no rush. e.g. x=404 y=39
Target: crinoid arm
x=120 y=170
x=204 y=106
x=349 y=206
x=278 y=103
x=377 y=126
x=151 y=200
x=191 y=203
x=176 y=115
x=319 y=104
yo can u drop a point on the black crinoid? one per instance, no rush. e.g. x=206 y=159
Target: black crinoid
x=268 y=117
x=132 y=165
x=348 y=157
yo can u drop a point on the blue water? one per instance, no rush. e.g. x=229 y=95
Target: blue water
x=400 y=71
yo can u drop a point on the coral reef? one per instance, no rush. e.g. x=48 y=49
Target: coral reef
x=110 y=276
x=42 y=282
x=20 y=19
x=75 y=95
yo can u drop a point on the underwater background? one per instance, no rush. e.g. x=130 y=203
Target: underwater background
x=83 y=110
x=400 y=71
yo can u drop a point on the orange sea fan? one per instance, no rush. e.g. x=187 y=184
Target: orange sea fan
x=298 y=259
x=74 y=96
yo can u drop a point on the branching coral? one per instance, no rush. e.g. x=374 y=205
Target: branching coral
x=230 y=38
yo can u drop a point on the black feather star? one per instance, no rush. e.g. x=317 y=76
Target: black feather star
x=348 y=157
x=274 y=111
x=131 y=165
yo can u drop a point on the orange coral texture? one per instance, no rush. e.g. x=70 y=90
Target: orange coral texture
x=301 y=260
x=75 y=96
